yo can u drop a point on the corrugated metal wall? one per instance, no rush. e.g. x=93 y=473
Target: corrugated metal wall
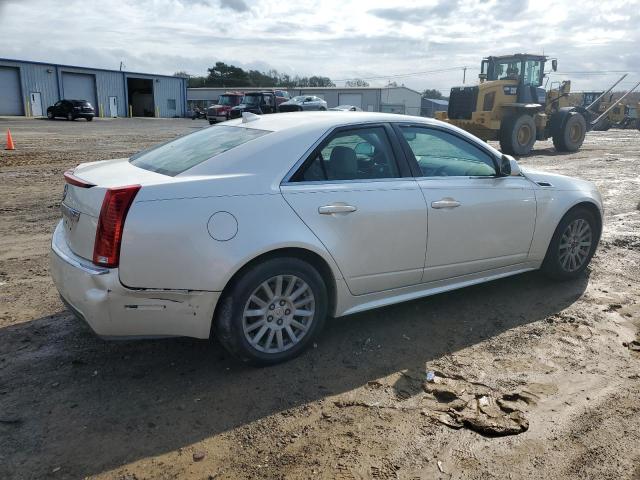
x=47 y=79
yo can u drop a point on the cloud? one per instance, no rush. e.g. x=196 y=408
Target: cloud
x=236 y=5
x=416 y=15
x=336 y=38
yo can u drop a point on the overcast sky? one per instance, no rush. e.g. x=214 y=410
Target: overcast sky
x=337 y=38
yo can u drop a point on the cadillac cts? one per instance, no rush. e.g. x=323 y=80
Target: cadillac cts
x=256 y=230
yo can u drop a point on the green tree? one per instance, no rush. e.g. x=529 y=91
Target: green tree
x=432 y=93
x=356 y=82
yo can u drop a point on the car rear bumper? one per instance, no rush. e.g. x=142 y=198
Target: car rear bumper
x=112 y=310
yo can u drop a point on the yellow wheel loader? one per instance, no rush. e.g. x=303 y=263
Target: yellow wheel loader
x=619 y=115
x=511 y=106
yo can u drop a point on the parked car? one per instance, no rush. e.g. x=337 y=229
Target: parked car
x=346 y=108
x=255 y=102
x=220 y=111
x=256 y=230
x=71 y=109
x=303 y=102
x=198 y=113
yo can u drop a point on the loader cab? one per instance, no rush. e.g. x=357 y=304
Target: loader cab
x=524 y=71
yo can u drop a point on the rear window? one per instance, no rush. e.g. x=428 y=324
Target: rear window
x=186 y=152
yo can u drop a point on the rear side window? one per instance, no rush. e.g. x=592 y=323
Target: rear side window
x=186 y=152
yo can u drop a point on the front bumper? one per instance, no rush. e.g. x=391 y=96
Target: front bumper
x=112 y=310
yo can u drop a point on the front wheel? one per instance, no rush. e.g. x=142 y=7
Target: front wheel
x=518 y=134
x=569 y=137
x=69 y=116
x=273 y=312
x=50 y=115
x=89 y=119
x=572 y=246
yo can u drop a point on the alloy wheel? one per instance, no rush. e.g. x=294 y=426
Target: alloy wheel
x=278 y=314
x=575 y=245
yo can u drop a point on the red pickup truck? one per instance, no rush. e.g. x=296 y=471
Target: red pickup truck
x=220 y=111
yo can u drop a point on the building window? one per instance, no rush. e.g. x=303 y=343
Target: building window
x=171 y=103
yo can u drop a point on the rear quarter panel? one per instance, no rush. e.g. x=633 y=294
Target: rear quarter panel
x=167 y=243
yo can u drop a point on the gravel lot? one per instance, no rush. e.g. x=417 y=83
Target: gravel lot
x=74 y=406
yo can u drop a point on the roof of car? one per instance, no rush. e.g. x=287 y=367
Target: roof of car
x=285 y=121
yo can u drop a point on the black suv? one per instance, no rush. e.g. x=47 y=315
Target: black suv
x=255 y=102
x=71 y=109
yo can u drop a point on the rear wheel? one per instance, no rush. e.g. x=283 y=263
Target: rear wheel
x=572 y=246
x=602 y=126
x=518 y=134
x=570 y=135
x=273 y=312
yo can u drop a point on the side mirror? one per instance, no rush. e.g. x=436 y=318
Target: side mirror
x=509 y=166
x=554 y=64
x=482 y=77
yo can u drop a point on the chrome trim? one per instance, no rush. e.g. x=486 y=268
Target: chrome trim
x=73 y=260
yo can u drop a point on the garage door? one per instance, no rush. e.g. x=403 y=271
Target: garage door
x=79 y=86
x=351 y=99
x=10 y=97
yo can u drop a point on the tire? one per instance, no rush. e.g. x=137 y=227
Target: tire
x=89 y=119
x=236 y=331
x=602 y=126
x=211 y=122
x=70 y=117
x=518 y=134
x=50 y=115
x=558 y=262
x=570 y=133
x=322 y=109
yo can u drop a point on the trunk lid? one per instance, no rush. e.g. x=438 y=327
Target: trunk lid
x=84 y=193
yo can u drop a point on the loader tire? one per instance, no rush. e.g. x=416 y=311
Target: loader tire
x=518 y=134
x=569 y=132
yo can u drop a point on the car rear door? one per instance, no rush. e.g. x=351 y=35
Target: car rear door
x=478 y=220
x=356 y=194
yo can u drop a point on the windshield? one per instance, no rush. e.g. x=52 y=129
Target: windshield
x=186 y=152
x=251 y=99
x=226 y=100
x=81 y=103
x=300 y=98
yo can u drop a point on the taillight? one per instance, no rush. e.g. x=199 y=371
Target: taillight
x=116 y=203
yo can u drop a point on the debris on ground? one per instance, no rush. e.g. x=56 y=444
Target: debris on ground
x=460 y=403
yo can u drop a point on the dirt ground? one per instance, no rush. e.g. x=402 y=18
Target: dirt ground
x=75 y=406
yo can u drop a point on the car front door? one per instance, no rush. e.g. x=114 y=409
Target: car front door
x=356 y=193
x=478 y=220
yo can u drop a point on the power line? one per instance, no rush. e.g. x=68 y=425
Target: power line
x=403 y=75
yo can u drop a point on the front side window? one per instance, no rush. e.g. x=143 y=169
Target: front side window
x=441 y=154
x=186 y=152
x=356 y=154
x=532 y=73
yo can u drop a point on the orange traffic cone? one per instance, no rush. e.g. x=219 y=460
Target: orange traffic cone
x=10 y=145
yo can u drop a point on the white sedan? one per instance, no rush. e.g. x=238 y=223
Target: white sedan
x=256 y=230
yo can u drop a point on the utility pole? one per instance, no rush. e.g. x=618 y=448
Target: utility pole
x=122 y=65
x=464 y=75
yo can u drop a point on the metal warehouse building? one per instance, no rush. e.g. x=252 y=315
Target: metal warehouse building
x=28 y=88
x=372 y=99
x=432 y=105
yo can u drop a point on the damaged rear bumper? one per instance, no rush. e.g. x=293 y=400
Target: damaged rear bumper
x=112 y=310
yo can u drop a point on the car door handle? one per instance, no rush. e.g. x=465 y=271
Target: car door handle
x=446 y=203
x=336 y=208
